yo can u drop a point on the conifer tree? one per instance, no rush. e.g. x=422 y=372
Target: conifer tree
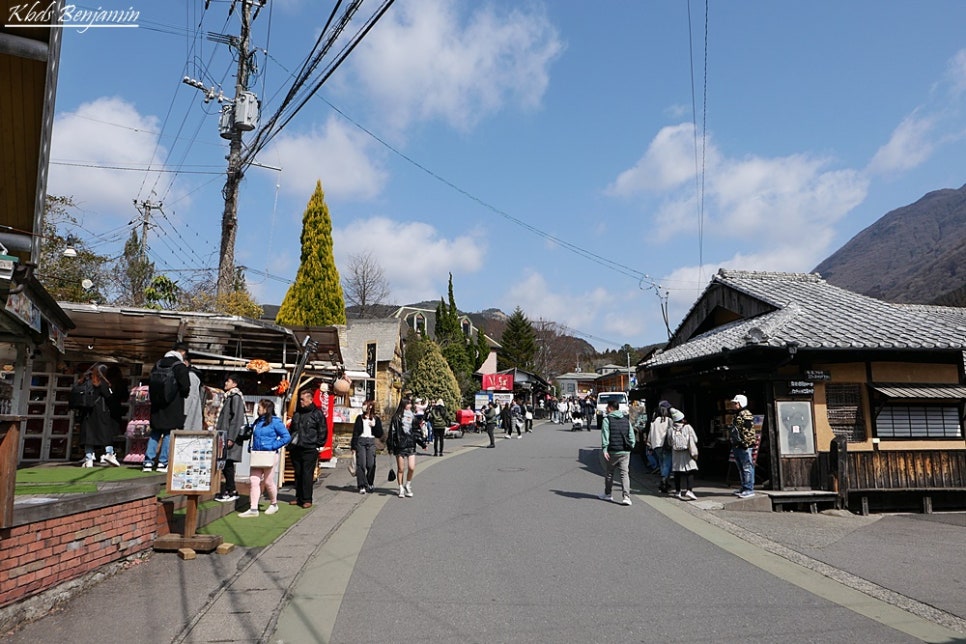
x=431 y=378
x=519 y=343
x=315 y=297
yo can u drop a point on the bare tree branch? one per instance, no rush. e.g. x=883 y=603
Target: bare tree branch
x=364 y=284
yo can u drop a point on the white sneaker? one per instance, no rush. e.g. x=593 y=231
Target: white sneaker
x=110 y=459
x=690 y=496
x=605 y=497
x=402 y=492
x=88 y=463
x=272 y=509
x=409 y=489
x=147 y=467
x=247 y=514
x=362 y=490
x=163 y=468
x=626 y=500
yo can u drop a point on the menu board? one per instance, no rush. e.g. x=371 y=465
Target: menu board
x=191 y=462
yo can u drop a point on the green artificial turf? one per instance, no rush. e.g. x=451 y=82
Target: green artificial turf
x=69 y=479
x=255 y=532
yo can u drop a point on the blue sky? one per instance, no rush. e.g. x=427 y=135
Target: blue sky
x=496 y=119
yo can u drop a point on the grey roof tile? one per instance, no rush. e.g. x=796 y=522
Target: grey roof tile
x=813 y=314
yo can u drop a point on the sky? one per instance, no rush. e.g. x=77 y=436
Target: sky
x=583 y=161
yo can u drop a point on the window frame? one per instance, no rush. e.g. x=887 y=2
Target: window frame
x=954 y=408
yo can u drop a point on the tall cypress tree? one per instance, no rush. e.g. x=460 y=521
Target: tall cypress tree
x=315 y=297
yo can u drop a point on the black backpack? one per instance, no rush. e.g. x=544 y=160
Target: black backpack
x=162 y=385
x=82 y=395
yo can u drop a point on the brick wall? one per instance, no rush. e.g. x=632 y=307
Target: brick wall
x=37 y=556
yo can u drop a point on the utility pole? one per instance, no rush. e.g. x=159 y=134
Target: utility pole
x=145 y=208
x=238 y=115
x=229 y=219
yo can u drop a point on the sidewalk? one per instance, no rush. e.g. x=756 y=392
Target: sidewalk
x=912 y=561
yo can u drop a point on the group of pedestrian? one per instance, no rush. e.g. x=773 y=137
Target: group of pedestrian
x=569 y=409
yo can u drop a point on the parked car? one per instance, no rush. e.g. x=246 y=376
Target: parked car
x=605 y=397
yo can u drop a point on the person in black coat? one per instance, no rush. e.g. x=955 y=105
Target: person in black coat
x=167 y=415
x=405 y=433
x=309 y=431
x=101 y=423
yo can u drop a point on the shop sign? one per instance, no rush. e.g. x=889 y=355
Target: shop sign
x=56 y=336
x=22 y=308
x=817 y=375
x=371 y=370
x=801 y=388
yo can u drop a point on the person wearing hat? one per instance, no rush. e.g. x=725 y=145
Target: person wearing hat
x=657 y=441
x=684 y=454
x=743 y=440
x=439 y=420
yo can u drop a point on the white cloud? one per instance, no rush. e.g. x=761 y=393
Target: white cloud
x=909 y=146
x=956 y=72
x=337 y=154
x=414 y=257
x=424 y=61
x=108 y=131
x=667 y=163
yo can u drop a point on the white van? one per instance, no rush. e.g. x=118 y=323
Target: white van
x=607 y=396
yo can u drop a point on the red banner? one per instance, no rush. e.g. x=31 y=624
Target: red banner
x=498 y=382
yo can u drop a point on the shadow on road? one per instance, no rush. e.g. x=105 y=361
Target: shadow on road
x=575 y=495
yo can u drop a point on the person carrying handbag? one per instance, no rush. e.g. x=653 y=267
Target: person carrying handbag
x=268 y=436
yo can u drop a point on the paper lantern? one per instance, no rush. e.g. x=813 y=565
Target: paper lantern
x=342 y=386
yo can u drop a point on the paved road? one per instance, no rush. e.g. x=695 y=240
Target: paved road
x=512 y=545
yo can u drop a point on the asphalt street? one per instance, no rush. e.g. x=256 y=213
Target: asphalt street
x=513 y=545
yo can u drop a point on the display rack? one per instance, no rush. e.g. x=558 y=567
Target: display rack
x=138 y=427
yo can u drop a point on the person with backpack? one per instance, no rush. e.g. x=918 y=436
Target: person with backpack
x=616 y=441
x=168 y=387
x=440 y=421
x=684 y=454
x=657 y=440
x=101 y=422
x=231 y=420
x=743 y=440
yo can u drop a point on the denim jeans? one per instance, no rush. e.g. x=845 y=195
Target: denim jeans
x=152 y=450
x=619 y=462
x=745 y=468
x=663 y=455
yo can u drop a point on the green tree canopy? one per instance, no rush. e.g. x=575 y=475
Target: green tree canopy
x=519 y=342
x=315 y=297
x=80 y=277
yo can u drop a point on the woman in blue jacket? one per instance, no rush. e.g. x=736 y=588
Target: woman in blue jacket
x=268 y=435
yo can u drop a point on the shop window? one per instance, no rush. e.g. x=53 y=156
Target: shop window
x=843 y=403
x=918 y=421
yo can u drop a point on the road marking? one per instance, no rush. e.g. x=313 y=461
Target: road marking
x=814 y=582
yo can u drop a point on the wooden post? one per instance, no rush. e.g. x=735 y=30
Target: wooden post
x=191 y=515
x=9 y=457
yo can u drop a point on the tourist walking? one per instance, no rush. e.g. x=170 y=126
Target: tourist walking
x=309 y=431
x=367 y=428
x=684 y=454
x=657 y=440
x=440 y=421
x=743 y=440
x=404 y=435
x=491 y=416
x=167 y=404
x=268 y=436
x=101 y=424
x=231 y=420
x=616 y=441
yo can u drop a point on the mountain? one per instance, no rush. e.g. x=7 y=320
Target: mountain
x=915 y=254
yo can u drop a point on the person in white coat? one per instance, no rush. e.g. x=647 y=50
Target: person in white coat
x=684 y=454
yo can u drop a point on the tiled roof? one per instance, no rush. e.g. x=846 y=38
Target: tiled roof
x=813 y=314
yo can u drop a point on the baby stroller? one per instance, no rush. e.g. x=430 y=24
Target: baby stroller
x=578 y=419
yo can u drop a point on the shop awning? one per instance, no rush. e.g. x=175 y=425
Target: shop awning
x=936 y=392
